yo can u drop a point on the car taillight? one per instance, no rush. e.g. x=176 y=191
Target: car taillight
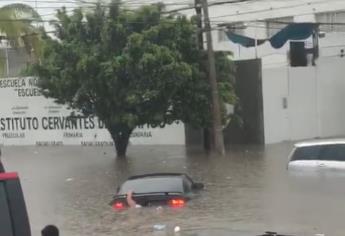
x=177 y=202
x=119 y=206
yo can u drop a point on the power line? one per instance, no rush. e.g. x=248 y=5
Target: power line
x=59 y=7
x=335 y=55
x=42 y=1
x=271 y=9
x=54 y=13
x=58 y=21
x=138 y=3
x=219 y=23
x=210 y=5
x=287 y=23
x=189 y=5
x=334 y=46
x=92 y=5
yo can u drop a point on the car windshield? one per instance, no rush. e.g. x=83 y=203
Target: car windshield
x=329 y=152
x=155 y=184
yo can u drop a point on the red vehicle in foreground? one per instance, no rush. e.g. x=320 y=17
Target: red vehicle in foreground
x=14 y=220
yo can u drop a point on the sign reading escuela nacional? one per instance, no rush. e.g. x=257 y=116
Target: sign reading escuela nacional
x=28 y=118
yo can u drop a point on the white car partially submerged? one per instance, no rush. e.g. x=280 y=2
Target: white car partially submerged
x=318 y=154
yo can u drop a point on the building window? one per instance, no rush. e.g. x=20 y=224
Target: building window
x=330 y=18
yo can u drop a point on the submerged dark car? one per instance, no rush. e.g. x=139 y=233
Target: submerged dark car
x=159 y=189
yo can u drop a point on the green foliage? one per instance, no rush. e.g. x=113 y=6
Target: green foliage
x=19 y=32
x=130 y=68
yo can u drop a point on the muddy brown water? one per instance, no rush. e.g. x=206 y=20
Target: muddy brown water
x=247 y=192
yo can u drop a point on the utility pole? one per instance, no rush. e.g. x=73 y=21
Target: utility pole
x=217 y=127
x=198 y=10
x=207 y=142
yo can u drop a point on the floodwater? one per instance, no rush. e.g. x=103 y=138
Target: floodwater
x=248 y=192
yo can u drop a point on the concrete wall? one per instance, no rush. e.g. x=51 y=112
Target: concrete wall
x=314 y=101
x=331 y=90
x=302 y=103
x=275 y=90
x=28 y=118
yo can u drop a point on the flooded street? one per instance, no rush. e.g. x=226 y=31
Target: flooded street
x=247 y=192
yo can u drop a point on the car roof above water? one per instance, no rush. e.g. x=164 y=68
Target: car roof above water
x=318 y=142
x=155 y=183
x=151 y=175
x=320 y=150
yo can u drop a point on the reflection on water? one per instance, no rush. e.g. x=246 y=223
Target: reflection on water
x=247 y=192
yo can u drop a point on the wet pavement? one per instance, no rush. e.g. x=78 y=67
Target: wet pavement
x=248 y=191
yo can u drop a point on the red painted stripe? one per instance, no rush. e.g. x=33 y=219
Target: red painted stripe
x=8 y=176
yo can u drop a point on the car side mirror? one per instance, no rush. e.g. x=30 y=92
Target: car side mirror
x=50 y=230
x=197 y=186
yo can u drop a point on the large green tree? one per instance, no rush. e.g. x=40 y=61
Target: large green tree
x=18 y=29
x=130 y=68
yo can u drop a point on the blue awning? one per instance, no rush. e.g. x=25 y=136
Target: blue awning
x=244 y=40
x=294 y=31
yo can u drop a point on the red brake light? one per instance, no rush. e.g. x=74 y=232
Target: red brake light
x=176 y=203
x=8 y=176
x=119 y=206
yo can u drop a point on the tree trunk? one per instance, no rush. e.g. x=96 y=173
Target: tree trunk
x=121 y=140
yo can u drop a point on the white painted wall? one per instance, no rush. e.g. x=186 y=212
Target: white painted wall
x=302 y=105
x=275 y=89
x=19 y=100
x=331 y=90
x=315 y=101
